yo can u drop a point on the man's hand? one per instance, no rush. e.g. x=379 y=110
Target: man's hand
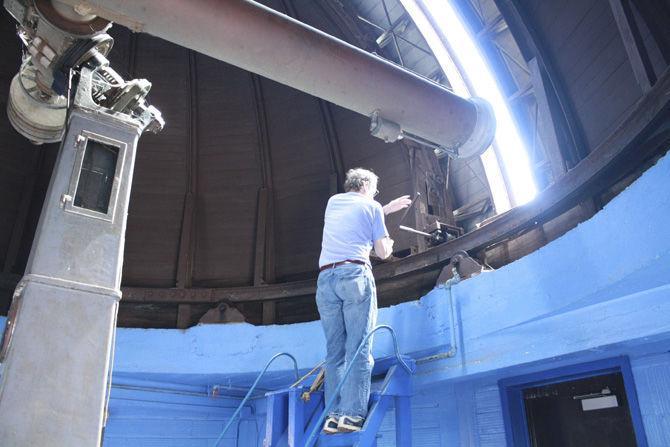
x=398 y=204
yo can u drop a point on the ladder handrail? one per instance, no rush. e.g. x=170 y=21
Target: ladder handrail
x=251 y=390
x=312 y=436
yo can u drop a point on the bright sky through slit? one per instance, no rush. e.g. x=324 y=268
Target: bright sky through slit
x=489 y=158
x=510 y=146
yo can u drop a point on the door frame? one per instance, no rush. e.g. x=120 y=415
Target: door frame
x=514 y=412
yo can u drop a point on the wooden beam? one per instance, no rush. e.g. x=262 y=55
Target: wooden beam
x=261 y=234
x=546 y=123
x=419 y=209
x=185 y=257
x=494 y=27
x=656 y=14
x=270 y=267
x=184 y=260
x=186 y=241
x=334 y=150
x=269 y=315
x=532 y=46
x=633 y=43
x=215 y=295
x=264 y=264
x=183 y=316
x=264 y=254
x=521 y=93
x=267 y=294
x=620 y=153
x=269 y=312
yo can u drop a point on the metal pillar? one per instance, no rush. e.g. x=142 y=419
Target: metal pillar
x=61 y=328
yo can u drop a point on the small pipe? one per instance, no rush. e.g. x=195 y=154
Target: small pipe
x=149 y=385
x=150 y=389
x=219 y=390
x=251 y=390
x=452 y=322
x=412 y=230
x=311 y=439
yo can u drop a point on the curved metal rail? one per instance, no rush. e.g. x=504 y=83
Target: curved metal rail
x=251 y=390
x=317 y=427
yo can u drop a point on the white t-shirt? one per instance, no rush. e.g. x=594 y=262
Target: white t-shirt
x=352 y=223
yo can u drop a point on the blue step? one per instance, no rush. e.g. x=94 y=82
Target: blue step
x=290 y=420
x=339 y=440
x=382 y=365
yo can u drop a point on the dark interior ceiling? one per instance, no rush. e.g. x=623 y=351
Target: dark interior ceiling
x=231 y=193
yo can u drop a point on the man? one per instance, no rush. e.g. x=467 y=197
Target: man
x=346 y=294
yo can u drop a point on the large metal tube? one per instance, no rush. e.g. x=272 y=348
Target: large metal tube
x=263 y=41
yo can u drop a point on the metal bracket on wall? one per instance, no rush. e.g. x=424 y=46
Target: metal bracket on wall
x=466 y=267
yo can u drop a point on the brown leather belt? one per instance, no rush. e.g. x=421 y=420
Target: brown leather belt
x=335 y=264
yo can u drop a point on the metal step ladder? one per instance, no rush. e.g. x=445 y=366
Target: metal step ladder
x=294 y=422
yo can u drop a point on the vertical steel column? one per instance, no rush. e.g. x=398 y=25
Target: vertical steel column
x=56 y=367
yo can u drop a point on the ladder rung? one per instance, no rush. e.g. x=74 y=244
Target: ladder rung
x=339 y=440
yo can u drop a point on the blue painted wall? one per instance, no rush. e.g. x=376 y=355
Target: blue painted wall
x=466 y=413
x=151 y=414
x=600 y=291
x=652 y=380
x=469 y=413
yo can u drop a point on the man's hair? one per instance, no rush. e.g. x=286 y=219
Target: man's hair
x=357 y=178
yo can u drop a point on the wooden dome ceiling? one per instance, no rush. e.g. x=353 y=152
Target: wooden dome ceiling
x=232 y=192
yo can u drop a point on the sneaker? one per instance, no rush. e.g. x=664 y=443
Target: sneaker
x=349 y=424
x=330 y=426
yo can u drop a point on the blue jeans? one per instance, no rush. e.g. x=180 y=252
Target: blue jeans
x=347 y=300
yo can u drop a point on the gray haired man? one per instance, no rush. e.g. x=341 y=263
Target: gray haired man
x=346 y=293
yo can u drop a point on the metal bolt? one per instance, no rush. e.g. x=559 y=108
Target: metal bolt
x=64 y=199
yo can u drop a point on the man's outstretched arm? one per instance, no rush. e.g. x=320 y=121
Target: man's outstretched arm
x=398 y=204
